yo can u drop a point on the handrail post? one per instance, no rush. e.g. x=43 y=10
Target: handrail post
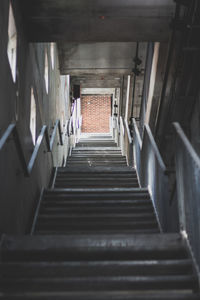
x=60 y=133
x=20 y=152
x=151 y=172
x=47 y=140
x=122 y=135
x=36 y=149
x=12 y=130
x=7 y=134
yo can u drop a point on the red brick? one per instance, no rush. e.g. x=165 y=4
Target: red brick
x=96 y=111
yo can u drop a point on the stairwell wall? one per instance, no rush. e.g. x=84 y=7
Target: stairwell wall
x=19 y=195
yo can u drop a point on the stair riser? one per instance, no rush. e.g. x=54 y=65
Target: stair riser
x=96 y=177
x=89 y=178
x=96 y=217
x=56 y=232
x=95 y=164
x=110 y=295
x=84 y=184
x=100 y=284
x=93 y=210
x=95 y=269
x=127 y=198
x=88 y=255
x=80 y=227
x=96 y=158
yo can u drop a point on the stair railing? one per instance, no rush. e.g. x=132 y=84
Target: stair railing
x=137 y=146
x=75 y=125
x=12 y=132
x=188 y=190
x=128 y=144
x=56 y=127
x=151 y=172
x=122 y=132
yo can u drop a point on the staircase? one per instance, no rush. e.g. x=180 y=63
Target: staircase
x=97 y=238
x=95 y=152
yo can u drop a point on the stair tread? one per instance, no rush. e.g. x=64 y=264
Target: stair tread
x=99 y=210
x=104 y=190
x=98 y=232
x=97 y=215
x=82 y=184
x=109 y=295
x=96 y=179
x=137 y=242
x=97 y=237
x=105 y=169
x=172 y=282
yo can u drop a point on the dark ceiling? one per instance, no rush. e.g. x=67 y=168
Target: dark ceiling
x=97 y=20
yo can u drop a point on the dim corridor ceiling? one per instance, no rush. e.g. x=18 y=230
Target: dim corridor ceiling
x=97 y=38
x=97 y=20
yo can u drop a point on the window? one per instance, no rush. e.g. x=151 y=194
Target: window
x=12 y=43
x=52 y=55
x=33 y=117
x=46 y=73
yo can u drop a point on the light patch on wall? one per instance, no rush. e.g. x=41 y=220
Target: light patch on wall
x=33 y=117
x=12 y=43
x=152 y=82
x=52 y=55
x=46 y=72
x=127 y=97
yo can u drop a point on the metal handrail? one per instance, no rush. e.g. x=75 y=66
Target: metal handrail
x=43 y=134
x=151 y=172
x=121 y=132
x=188 y=191
x=12 y=131
x=122 y=125
x=137 y=133
x=152 y=141
x=57 y=126
x=64 y=134
x=118 y=128
x=137 y=148
x=155 y=148
x=187 y=144
x=128 y=143
x=128 y=132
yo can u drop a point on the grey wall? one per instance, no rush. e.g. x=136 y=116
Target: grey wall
x=19 y=195
x=195 y=126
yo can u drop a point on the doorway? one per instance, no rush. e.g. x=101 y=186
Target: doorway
x=96 y=113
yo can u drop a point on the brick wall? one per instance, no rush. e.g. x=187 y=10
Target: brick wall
x=96 y=111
